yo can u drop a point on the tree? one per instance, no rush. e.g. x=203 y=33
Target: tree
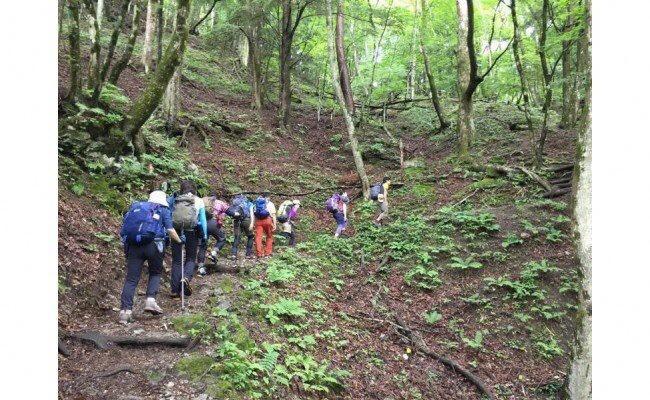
x=149 y=32
x=516 y=43
x=289 y=24
x=95 y=45
x=349 y=123
x=435 y=100
x=253 y=17
x=122 y=63
x=468 y=76
x=149 y=99
x=346 y=86
x=75 y=50
x=579 y=382
x=159 y=32
x=194 y=30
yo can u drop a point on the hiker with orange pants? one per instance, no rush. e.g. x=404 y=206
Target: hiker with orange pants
x=265 y=223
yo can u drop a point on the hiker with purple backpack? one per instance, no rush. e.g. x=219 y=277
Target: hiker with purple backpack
x=337 y=204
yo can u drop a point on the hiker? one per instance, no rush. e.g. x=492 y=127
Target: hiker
x=241 y=211
x=215 y=213
x=265 y=224
x=287 y=212
x=188 y=216
x=337 y=204
x=144 y=233
x=379 y=193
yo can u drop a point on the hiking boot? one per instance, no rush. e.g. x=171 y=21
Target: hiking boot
x=213 y=256
x=202 y=271
x=175 y=295
x=250 y=257
x=152 y=307
x=186 y=287
x=377 y=224
x=126 y=316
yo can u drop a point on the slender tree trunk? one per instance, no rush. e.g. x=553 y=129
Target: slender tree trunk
x=435 y=100
x=285 y=59
x=582 y=60
x=119 y=23
x=410 y=83
x=212 y=18
x=150 y=97
x=346 y=87
x=354 y=145
x=75 y=50
x=61 y=15
x=171 y=101
x=516 y=42
x=149 y=32
x=159 y=29
x=465 y=106
x=123 y=62
x=95 y=45
x=548 y=89
x=567 y=72
x=579 y=382
x=254 y=67
x=355 y=53
x=100 y=12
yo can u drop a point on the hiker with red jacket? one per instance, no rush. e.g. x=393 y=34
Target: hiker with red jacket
x=215 y=211
x=188 y=217
x=265 y=223
x=337 y=204
x=145 y=230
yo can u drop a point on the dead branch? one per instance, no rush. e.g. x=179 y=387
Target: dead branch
x=63 y=349
x=116 y=370
x=556 y=193
x=419 y=344
x=509 y=171
x=105 y=341
x=560 y=168
x=358 y=186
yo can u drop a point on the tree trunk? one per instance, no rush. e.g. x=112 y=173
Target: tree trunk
x=75 y=51
x=410 y=81
x=171 y=101
x=435 y=100
x=579 y=380
x=582 y=60
x=61 y=14
x=567 y=72
x=516 y=42
x=465 y=107
x=95 y=45
x=254 y=67
x=150 y=97
x=548 y=90
x=354 y=145
x=128 y=51
x=100 y=12
x=285 y=59
x=149 y=32
x=159 y=30
x=111 y=48
x=346 y=86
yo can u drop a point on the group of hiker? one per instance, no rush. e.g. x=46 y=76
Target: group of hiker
x=185 y=222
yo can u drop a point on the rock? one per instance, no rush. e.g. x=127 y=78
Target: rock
x=224 y=304
x=524 y=235
x=202 y=396
x=414 y=163
x=170 y=384
x=138 y=331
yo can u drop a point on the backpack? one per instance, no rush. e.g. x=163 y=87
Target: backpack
x=261 y=209
x=185 y=213
x=240 y=208
x=332 y=204
x=210 y=203
x=142 y=223
x=283 y=212
x=376 y=190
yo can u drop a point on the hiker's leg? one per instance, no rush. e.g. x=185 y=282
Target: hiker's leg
x=202 y=248
x=191 y=245
x=383 y=206
x=340 y=223
x=134 y=263
x=176 y=267
x=236 y=235
x=268 y=230
x=259 y=231
x=155 y=254
x=292 y=237
x=220 y=235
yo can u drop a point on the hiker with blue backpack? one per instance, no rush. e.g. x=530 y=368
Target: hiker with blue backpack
x=379 y=193
x=337 y=204
x=265 y=224
x=146 y=229
x=241 y=211
x=188 y=217
x=215 y=212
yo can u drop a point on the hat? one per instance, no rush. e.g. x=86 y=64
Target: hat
x=158 y=197
x=296 y=202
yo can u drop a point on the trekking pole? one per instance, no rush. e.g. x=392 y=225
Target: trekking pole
x=183 y=276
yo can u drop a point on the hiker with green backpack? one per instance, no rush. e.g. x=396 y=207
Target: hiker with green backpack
x=287 y=212
x=146 y=228
x=379 y=193
x=265 y=224
x=215 y=213
x=241 y=211
x=188 y=216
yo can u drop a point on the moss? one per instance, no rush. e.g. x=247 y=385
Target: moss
x=487 y=183
x=194 y=366
x=424 y=190
x=226 y=285
x=190 y=324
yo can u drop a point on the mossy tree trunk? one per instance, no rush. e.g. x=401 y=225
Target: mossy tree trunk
x=346 y=86
x=349 y=123
x=579 y=380
x=465 y=107
x=547 y=74
x=150 y=97
x=160 y=23
x=123 y=62
x=435 y=100
x=95 y=45
x=516 y=43
x=75 y=50
x=149 y=32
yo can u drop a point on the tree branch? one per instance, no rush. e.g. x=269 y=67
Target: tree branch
x=193 y=31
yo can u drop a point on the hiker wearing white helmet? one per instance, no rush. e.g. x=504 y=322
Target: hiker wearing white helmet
x=287 y=212
x=145 y=230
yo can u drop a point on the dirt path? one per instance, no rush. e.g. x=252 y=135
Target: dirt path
x=153 y=375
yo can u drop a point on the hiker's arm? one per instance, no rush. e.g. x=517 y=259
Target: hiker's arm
x=252 y=214
x=172 y=233
x=203 y=222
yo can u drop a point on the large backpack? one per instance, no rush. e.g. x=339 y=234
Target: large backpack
x=376 y=190
x=210 y=202
x=185 y=215
x=142 y=223
x=332 y=204
x=283 y=212
x=240 y=208
x=261 y=208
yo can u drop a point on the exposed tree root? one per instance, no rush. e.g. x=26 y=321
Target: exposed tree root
x=105 y=341
x=116 y=370
x=63 y=349
x=509 y=171
x=419 y=344
x=556 y=193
